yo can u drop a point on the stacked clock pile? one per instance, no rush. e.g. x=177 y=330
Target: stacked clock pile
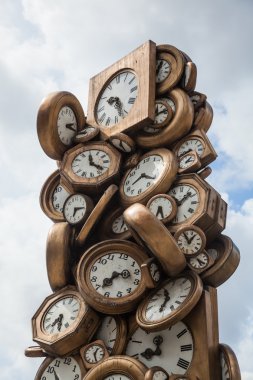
x=136 y=250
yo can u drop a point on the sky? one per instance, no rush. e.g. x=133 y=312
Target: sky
x=51 y=46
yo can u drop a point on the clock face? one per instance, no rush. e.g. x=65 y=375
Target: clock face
x=119 y=225
x=161 y=113
x=115 y=275
x=67 y=125
x=163 y=69
x=61 y=315
x=59 y=196
x=161 y=207
x=91 y=163
x=117 y=376
x=167 y=299
x=191 y=145
x=186 y=161
x=87 y=133
x=117 y=99
x=187 y=200
x=213 y=253
x=75 y=208
x=171 y=348
x=200 y=261
x=94 y=353
x=62 y=369
x=144 y=175
x=107 y=332
x=224 y=368
x=123 y=146
x=190 y=242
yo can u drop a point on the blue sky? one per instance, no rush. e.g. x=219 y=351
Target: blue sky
x=49 y=46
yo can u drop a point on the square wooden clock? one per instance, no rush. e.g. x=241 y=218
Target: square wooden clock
x=122 y=97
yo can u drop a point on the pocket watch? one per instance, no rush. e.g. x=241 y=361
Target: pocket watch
x=92 y=167
x=113 y=332
x=93 y=353
x=87 y=133
x=188 y=163
x=59 y=258
x=198 y=142
x=170 y=302
x=146 y=229
x=179 y=125
x=227 y=260
x=169 y=67
x=196 y=202
x=230 y=369
x=119 y=367
x=191 y=240
x=53 y=196
x=77 y=208
x=64 y=322
x=109 y=276
x=120 y=90
x=201 y=262
x=171 y=348
x=123 y=142
x=114 y=226
x=163 y=206
x=59 y=118
x=156 y=373
x=153 y=174
x=61 y=368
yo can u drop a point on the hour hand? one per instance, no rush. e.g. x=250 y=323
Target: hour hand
x=56 y=377
x=70 y=126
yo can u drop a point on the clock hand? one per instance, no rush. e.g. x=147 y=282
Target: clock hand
x=140 y=177
x=149 y=353
x=191 y=239
x=56 y=377
x=95 y=354
x=58 y=321
x=186 y=238
x=190 y=159
x=166 y=299
x=123 y=222
x=185 y=197
x=162 y=111
x=158 y=67
x=92 y=163
x=200 y=261
x=69 y=126
x=108 y=280
x=148 y=176
x=186 y=151
x=77 y=209
x=160 y=211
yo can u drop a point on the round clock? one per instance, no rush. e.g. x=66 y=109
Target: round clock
x=123 y=142
x=191 y=144
x=169 y=67
x=93 y=353
x=156 y=373
x=53 y=196
x=229 y=365
x=163 y=113
x=154 y=174
x=114 y=226
x=77 y=208
x=109 y=276
x=171 y=348
x=117 y=368
x=92 y=167
x=170 y=302
x=189 y=162
x=163 y=206
x=116 y=98
x=191 y=240
x=64 y=322
x=59 y=119
x=65 y=368
x=113 y=332
x=200 y=262
x=87 y=133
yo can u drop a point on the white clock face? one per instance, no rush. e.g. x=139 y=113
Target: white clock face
x=119 y=225
x=117 y=376
x=62 y=369
x=115 y=275
x=186 y=161
x=161 y=113
x=61 y=315
x=187 y=200
x=171 y=348
x=75 y=208
x=190 y=242
x=191 y=145
x=144 y=175
x=59 y=196
x=167 y=299
x=163 y=69
x=67 y=125
x=224 y=368
x=107 y=332
x=91 y=163
x=117 y=99
x=200 y=261
x=161 y=207
x=94 y=353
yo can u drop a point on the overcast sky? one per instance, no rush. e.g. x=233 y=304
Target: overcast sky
x=58 y=45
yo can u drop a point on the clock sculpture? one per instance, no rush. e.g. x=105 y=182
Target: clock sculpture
x=136 y=251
